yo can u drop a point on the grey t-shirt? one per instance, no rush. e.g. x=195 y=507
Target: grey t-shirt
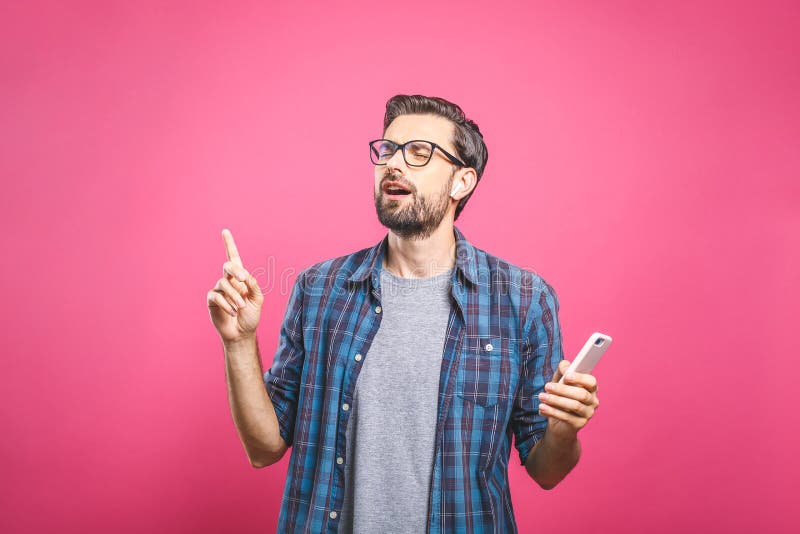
x=390 y=433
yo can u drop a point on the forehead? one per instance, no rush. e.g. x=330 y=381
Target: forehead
x=428 y=127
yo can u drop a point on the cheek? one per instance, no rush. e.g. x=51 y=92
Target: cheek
x=435 y=190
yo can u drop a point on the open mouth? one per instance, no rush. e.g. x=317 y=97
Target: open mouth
x=395 y=189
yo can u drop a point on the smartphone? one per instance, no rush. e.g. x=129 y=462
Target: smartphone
x=589 y=355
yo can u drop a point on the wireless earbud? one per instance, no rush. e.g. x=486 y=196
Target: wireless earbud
x=456 y=189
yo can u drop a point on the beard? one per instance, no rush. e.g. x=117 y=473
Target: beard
x=416 y=217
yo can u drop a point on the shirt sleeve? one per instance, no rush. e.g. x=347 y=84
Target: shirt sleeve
x=540 y=354
x=282 y=380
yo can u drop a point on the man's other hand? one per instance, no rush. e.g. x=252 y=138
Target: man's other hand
x=570 y=405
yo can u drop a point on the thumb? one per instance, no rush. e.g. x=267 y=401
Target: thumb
x=253 y=289
x=563 y=365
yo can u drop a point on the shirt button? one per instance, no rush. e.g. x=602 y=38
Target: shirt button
x=340 y=460
x=333 y=514
x=377 y=309
x=358 y=357
x=345 y=406
x=489 y=347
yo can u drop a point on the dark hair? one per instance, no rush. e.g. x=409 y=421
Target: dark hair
x=467 y=138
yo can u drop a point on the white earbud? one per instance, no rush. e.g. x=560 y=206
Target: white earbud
x=456 y=189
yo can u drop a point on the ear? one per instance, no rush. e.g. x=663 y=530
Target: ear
x=464 y=183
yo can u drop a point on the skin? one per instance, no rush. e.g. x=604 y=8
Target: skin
x=422 y=256
x=235 y=305
x=568 y=407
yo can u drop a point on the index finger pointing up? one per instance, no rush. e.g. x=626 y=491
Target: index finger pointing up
x=230 y=247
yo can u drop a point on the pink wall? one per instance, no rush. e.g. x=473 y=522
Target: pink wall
x=643 y=159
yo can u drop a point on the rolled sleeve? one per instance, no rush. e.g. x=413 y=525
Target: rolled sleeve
x=541 y=352
x=282 y=380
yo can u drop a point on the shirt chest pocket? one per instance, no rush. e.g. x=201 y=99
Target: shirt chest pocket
x=488 y=371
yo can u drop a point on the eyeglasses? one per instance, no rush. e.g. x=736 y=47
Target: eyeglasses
x=416 y=153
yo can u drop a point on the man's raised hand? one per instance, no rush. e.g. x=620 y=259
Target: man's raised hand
x=235 y=301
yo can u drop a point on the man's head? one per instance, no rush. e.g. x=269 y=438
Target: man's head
x=455 y=156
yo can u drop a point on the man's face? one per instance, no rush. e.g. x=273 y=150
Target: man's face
x=418 y=213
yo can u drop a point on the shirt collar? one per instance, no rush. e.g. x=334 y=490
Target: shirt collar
x=466 y=261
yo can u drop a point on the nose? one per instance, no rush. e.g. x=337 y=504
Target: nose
x=396 y=161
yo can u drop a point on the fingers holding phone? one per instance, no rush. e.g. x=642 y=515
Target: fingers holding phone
x=570 y=399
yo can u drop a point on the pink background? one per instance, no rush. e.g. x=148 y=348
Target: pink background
x=643 y=159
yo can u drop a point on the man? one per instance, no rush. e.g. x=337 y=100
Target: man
x=403 y=369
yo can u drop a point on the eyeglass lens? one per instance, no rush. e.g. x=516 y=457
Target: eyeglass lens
x=416 y=153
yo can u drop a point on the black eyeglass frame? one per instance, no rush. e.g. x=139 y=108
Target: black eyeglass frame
x=402 y=147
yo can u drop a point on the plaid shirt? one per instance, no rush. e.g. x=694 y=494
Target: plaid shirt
x=503 y=342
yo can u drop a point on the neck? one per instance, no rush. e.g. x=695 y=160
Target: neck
x=421 y=258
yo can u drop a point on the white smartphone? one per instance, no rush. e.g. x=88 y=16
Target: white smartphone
x=589 y=355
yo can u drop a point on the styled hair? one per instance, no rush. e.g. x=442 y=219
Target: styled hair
x=467 y=137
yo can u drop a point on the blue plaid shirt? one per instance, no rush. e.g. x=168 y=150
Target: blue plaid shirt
x=503 y=342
